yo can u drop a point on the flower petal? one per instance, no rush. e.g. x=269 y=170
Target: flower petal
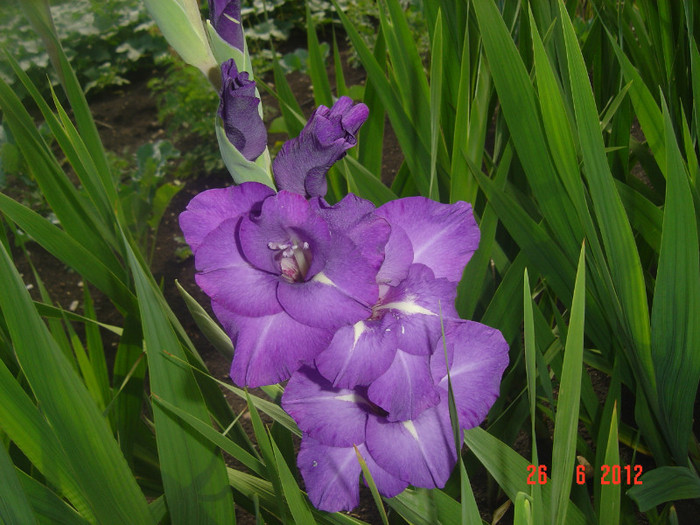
x=358 y=354
x=333 y=416
x=228 y=279
x=420 y=451
x=354 y=218
x=406 y=389
x=398 y=256
x=210 y=208
x=415 y=306
x=238 y=109
x=302 y=163
x=478 y=356
x=284 y=217
x=221 y=13
x=331 y=475
x=444 y=236
x=269 y=349
x=320 y=303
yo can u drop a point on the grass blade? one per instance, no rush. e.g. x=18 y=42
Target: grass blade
x=98 y=465
x=193 y=471
x=610 y=493
x=566 y=422
x=14 y=505
x=676 y=308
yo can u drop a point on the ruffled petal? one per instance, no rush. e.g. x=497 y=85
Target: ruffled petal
x=210 y=208
x=358 y=354
x=415 y=306
x=332 y=416
x=398 y=257
x=406 y=389
x=443 y=236
x=354 y=218
x=228 y=278
x=269 y=349
x=302 y=163
x=478 y=356
x=421 y=452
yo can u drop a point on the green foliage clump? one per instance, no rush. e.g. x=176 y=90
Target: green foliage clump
x=186 y=106
x=106 y=41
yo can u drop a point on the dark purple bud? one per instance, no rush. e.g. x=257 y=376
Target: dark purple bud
x=238 y=108
x=225 y=16
x=302 y=163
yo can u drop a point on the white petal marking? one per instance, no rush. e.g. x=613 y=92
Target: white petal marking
x=321 y=278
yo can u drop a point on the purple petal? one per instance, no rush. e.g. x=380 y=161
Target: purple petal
x=406 y=389
x=333 y=416
x=228 y=279
x=357 y=354
x=415 y=305
x=302 y=163
x=444 y=236
x=387 y=485
x=331 y=475
x=320 y=303
x=478 y=356
x=238 y=108
x=210 y=208
x=355 y=219
x=269 y=349
x=420 y=451
x=220 y=13
x=398 y=256
x=287 y=219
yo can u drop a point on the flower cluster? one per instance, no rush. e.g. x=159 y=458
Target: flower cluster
x=349 y=302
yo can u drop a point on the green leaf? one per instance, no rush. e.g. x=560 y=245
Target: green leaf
x=293 y=494
x=509 y=469
x=435 y=103
x=193 y=471
x=317 y=65
x=14 y=505
x=98 y=466
x=676 y=308
x=623 y=258
x=665 y=484
x=364 y=183
x=181 y=24
x=566 y=422
x=610 y=493
x=241 y=169
x=47 y=505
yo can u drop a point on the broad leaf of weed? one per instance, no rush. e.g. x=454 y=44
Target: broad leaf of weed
x=665 y=484
x=193 y=471
x=97 y=464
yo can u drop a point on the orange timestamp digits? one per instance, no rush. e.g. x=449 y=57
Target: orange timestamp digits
x=613 y=474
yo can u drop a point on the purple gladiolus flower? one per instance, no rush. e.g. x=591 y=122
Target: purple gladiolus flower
x=302 y=163
x=281 y=277
x=238 y=108
x=419 y=450
x=226 y=18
